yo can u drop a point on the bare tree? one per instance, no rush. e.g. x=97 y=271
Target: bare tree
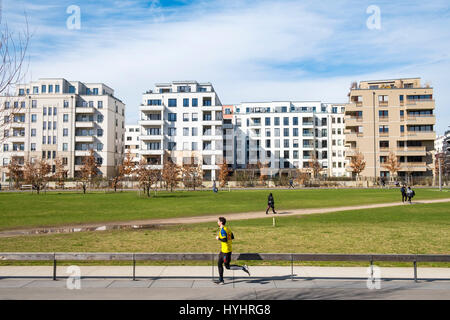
x=192 y=174
x=224 y=172
x=15 y=172
x=263 y=169
x=60 y=173
x=302 y=176
x=357 y=163
x=13 y=51
x=147 y=177
x=315 y=166
x=170 y=173
x=37 y=174
x=88 y=170
x=392 y=165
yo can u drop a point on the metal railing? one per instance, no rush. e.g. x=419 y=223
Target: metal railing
x=292 y=257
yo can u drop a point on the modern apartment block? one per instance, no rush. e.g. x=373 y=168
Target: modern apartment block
x=56 y=118
x=132 y=145
x=183 y=118
x=392 y=116
x=285 y=135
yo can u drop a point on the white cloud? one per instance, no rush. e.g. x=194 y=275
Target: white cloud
x=238 y=46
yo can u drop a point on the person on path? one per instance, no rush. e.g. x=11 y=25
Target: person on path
x=214 y=187
x=291 y=183
x=226 y=237
x=270 y=204
x=403 y=191
x=410 y=194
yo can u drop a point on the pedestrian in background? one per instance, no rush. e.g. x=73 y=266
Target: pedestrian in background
x=403 y=191
x=270 y=204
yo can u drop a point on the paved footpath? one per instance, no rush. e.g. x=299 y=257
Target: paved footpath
x=198 y=219
x=195 y=283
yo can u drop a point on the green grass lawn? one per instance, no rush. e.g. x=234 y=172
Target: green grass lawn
x=408 y=229
x=52 y=209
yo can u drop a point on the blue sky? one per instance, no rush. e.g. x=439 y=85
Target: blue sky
x=249 y=50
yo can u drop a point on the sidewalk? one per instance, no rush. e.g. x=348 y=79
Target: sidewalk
x=195 y=283
x=193 y=273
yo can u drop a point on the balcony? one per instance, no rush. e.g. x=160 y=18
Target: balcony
x=420 y=104
x=227 y=126
x=418 y=135
x=413 y=166
x=151 y=122
x=353 y=136
x=17 y=124
x=82 y=153
x=308 y=123
x=145 y=107
x=88 y=110
x=89 y=139
x=383 y=103
x=353 y=121
x=151 y=137
x=84 y=124
x=151 y=152
x=430 y=120
x=412 y=151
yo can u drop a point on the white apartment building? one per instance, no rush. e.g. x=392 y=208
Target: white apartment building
x=286 y=135
x=183 y=118
x=56 y=118
x=132 y=145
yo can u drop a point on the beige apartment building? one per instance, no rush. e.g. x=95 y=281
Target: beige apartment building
x=56 y=118
x=392 y=116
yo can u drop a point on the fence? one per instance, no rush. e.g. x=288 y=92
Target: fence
x=292 y=257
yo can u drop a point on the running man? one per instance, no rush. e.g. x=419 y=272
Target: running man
x=226 y=237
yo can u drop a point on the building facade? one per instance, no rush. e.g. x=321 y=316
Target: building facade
x=392 y=116
x=184 y=119
x=285 y=136
x=132 y=145
x=56 y=118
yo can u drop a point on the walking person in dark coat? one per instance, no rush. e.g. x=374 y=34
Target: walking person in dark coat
x=270 y=204
x=403 y=191
x=410 y=194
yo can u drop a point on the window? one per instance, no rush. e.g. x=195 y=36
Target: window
x=194 y=133
x=54 y=139
x=49 y=140
x=185 y=102
x=49 y=125
x=66 y=104
x=33 y=104
x=402 y=128
x=286 y=121
x=286 y=143
x=44 y=111
x=267 y=143
x=277 y=132
x=383 y=114
x=286 y=132
x=185 y=132
x=99 y=118
x=295 y=132
x=99 y=146
x=207 y=101
x=50 y=88
x=71 y=89
x=5 y=147
x=153 y=102
x=194 y=146
x=277 y=121
x=194 y=102
x=66 y=117
x=267 y=121
x=33 y=132
x=195 y=116
x=384 y=129
x=267 y=132
x=384 y=144
x=172 y=102
x=172 y=132
x=295 y=121
x=173 y=117
x=99 y=104
x=95 y=91
x=65 y=132
x=44 y=125
x=35 y=90
x=33 y=117
x=172 y=146
x=57 y=88
x=43 y=89
x=185 y=116
x=99 y=132
x=65 y=147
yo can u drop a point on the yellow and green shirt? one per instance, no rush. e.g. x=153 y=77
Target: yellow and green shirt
x=226 y=234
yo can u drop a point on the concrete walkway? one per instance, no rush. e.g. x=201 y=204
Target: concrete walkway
x=149 y=223
x=179 y=283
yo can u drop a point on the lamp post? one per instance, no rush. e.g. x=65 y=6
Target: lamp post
x=374 y=142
